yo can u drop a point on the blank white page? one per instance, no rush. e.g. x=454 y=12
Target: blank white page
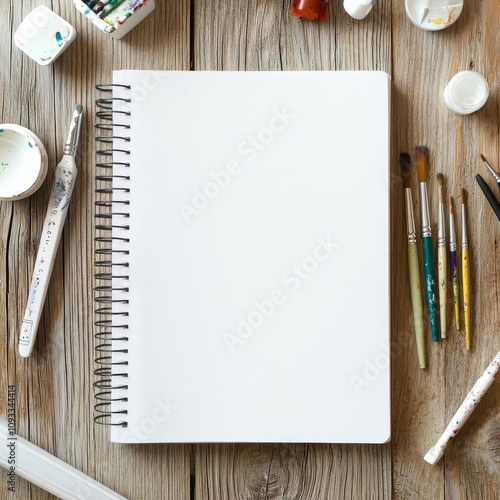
x=258 y=257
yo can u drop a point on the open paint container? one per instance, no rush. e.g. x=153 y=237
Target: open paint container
x=433 y=15
x=23 y=162
x=44 y=36
x=122 y=17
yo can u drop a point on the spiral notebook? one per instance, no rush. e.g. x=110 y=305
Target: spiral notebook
x=242 y=267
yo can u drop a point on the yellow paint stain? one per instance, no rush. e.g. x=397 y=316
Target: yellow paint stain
x=438 y=21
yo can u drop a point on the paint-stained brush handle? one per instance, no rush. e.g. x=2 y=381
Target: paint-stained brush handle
x=442 y=288
x=430 y=287
x=466 y=287
x=454 y=276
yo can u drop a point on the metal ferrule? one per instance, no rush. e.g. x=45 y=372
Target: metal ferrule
x=410 y=219
x=424 y=211
x=464 y=230
x=73 y=138
x=453 y=242
x=441 y=226
x=492 y=172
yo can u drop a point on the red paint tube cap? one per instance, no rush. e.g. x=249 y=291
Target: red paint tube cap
x=314 y=10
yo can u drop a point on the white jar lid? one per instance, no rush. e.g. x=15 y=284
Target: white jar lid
x=466 y=92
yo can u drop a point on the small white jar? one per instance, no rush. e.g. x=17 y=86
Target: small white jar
x=466 y=92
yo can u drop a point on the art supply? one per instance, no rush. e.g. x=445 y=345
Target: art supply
x=464 y=412
x=442 y=278
x=43 y=35
x=314 y=10
x=122 y=10
x=433 y=15
x=422 y=154
x=413 y=267
x=492 y=200
x=490 y=169
x=466 y=92
x=465 y=274
x=118 y=26
x=454 y=269
x=358 y=9
x=111 y=5
x=99 y=6
x=218 y=257
x=46 y=471
x=23 y=162
x=62 y=189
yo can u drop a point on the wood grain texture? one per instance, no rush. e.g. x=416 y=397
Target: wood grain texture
x=54 y=386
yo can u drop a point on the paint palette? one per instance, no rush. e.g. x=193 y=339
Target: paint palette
x=23 y=162
x=44 y=36
x=433 y=15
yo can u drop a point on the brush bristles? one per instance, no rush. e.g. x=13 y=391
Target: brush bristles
x=484 y=159
x=462 y=196
x=422 y=154
x=440 y=179
x=405 y=164
x=451 y=205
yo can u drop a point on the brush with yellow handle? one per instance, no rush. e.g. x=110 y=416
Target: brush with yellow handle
x=465 y=273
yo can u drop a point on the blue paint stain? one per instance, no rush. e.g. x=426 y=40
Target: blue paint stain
x=1 y=130
x=31 y=145
x=59 y=38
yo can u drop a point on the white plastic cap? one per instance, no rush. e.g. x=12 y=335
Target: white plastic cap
x=434 y=455
x=358 y=9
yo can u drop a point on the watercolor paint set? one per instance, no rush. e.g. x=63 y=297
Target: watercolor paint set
x=115 y=17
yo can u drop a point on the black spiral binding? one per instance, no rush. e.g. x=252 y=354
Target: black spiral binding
x=111 y=376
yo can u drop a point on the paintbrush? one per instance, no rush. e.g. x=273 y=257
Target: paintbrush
x=422 y=154
x=492 y=200
x=492 y=172
x=441 y=257
x=465 y=273
x=454 y=270
x=413 y=267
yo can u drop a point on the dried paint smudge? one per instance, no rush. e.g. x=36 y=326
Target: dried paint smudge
x=59 y=39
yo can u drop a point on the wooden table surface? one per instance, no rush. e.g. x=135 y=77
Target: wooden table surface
x=54 y=393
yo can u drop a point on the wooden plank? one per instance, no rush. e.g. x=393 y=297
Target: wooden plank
x=54 y=386
x=258 y=35
x=424 y=401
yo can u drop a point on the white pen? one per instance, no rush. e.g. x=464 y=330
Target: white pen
x=465 y=410
x=62 y=189
x=24 y=459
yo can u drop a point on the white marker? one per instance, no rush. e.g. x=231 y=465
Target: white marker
x=465 y=410
x=22 y=458
x=62 y=189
